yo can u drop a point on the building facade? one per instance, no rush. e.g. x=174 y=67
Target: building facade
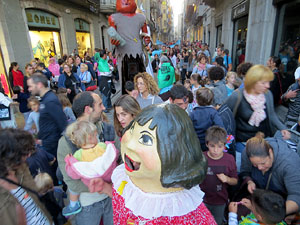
x=254 y=28
x=40 y=28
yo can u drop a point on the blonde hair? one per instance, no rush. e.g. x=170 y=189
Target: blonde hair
x=149 y=83
x=43 y=182
x=34 y=100
x=80 y=131
x=257 y=73
x=230 y=73
x=84 y=66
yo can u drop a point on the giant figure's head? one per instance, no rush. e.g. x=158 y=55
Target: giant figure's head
x=126 y=6
x=161 y=143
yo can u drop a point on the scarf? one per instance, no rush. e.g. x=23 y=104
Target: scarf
x=257 y=103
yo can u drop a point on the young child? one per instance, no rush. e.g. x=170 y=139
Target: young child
x=195 y=85
x=221 y=172
x=44 y=183
x=21 y=98
x=129 y=87
x=50 y=196
x=67 y=107
x=267 y=208
x=187 y=84
x=92 y=160
x=204 y=115
x=34 y=116
x=230 y=82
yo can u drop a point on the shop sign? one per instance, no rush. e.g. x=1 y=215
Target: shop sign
x=38 y=18
x=81 y=25
x=240 y=10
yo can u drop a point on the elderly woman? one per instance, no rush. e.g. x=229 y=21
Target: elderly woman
x=148 y=90
x=19 y=201
x=270 y=164
x=84 y=75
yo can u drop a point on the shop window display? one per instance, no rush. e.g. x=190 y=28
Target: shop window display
x=45 y=44
x=83 y=42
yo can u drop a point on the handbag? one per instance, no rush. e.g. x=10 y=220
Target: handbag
x=91 y=86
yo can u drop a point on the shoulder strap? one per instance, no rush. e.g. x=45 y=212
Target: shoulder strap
x=269 y=180
x=20 y=185
x=237 y=102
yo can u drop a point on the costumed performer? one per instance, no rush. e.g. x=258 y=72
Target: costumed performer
x=128 y=25
x=163 y=167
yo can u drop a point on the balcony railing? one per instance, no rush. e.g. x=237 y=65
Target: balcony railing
x=107 y=6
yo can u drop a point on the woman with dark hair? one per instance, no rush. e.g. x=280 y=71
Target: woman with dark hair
x=70 y=81
x=202 y=66
x=276 y=87
x=270 y=164
x=125 y=110
x=19 y=200
x=163 y=164
x=16 y=77
x=220 y=62
x=71 y=61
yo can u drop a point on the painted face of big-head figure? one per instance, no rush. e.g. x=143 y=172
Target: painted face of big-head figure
x=126 y=6
x=161 y=151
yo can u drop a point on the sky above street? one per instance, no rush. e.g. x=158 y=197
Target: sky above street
x=177 y=6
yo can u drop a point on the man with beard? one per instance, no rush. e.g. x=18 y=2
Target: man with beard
x=88 y=106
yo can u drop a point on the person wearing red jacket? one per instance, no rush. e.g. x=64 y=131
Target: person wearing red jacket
x=16 y=77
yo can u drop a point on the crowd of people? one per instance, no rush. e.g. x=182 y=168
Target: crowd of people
x=252 y=151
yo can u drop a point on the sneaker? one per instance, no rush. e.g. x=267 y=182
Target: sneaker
x=69 y=211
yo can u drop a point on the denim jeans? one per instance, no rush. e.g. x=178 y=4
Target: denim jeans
x=92 y=214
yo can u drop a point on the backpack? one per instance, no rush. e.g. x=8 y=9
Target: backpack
x=229 y=124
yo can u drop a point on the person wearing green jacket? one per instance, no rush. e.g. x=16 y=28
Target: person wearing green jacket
x=105 y=75
x=166 y=75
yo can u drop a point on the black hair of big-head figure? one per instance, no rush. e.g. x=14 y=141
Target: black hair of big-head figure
x=182 y=161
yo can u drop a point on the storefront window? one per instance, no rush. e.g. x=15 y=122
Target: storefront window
x=240 y=37
x=83 y=43
x=287 y=45
x=83 y=37
x=45 y=44
x=44 y=34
